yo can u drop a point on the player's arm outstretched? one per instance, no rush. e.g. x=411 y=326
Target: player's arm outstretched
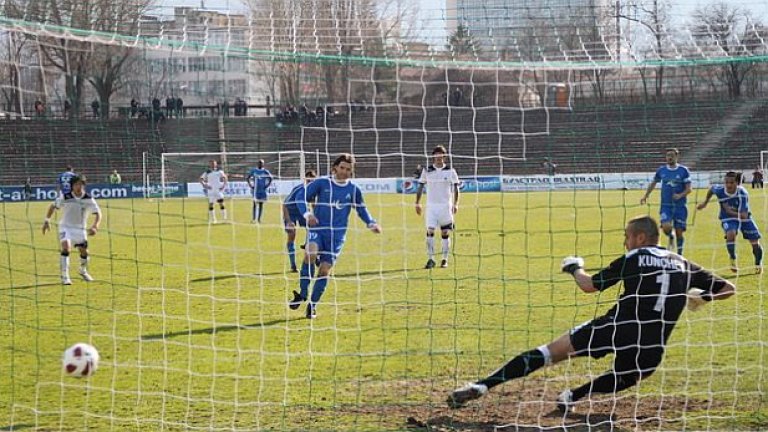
x=706 y=287
x=703 y=205
x=364 y=214
x=574 y=266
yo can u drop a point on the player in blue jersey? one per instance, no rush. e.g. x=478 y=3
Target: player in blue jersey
x=259 y=180
x=675 y=182
x=735 y=216
x=293 y=217
x=335 y=197
x=63 y=181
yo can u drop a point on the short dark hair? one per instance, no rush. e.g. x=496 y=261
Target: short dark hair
x=646 y=225
x=68 y=167
x=310 y=173
x=734 y=175
x=344 y=157
x=673 y=150
x=439 y=149
x=78 y=178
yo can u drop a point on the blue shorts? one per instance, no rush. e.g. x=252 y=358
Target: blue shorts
x=260 y=195
x=675 y=214
x=296 y=218
x=329 y=243
x=748 y=228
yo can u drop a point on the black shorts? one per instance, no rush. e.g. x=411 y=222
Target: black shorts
x=638 y=346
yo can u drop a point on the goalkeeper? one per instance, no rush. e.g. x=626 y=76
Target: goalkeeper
x=657 y=284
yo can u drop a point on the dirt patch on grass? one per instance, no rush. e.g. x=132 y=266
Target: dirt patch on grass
x=527 y=407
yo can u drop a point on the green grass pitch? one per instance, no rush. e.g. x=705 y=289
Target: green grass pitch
x=193 y=330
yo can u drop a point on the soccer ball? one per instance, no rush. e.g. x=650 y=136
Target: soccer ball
x=80 y=360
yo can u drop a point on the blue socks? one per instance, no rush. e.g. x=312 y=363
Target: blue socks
x=731 y=250
x=680 y=244
x=319 y=289
x=307 y=272
x=757 y=251
x=292 y=254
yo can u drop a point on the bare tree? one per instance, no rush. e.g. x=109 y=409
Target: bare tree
x=723 y=30
x=461 y=42
x=653 y=15
x=336 y=32
x=85 y=61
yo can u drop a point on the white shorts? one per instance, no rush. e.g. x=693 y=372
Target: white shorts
x=438 y=217
x=76 y=236
x=214 y=195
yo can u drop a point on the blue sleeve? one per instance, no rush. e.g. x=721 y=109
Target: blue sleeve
x=687 y=176
x=744 y=201
x=269 y=179
x=657 y=176
x=362 y=210
x=249 y=176
x=306 y=194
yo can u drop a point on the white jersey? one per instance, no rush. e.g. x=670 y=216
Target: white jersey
x=215 y=179
x=75 y=210
x=440 y=183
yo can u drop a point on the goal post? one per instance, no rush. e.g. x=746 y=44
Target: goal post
x=187 y=167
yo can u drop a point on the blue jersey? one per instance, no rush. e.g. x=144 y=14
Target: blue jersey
x=262 y=178
x=673 y=181
x=333 y=204
x=63 y=181
x=291 y=202
x=739 y=201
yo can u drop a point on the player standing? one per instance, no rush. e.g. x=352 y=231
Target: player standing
x=292 y=216
x=214 y=181
x=675 y=187
x=656 y=288
x=76 y=205
x=259 y=180
x=442 y=184
x=334 y=198
x=734 y=216
x=63 y=180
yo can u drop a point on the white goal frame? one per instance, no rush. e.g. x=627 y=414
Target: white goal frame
x=222 y=156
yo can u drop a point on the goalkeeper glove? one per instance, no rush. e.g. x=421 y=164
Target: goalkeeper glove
x=571 y=264
x=697 y=298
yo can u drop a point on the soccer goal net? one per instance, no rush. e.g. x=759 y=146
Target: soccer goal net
x=555 y=117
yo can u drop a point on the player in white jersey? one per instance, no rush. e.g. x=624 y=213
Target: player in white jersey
x=214 y=181
x=75 y=205
x=442 y=184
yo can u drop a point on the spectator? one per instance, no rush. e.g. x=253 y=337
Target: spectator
x=28 y=189
x=134 y=107
x=757 y=178
x=96 y=107
x=243 y=108
x=115 y=178
x=67 y=108
x=550 y=168
x=155 y=104
x=458 y=96
x=225 y=108
x=170 y=106
x=39 y=108
x=320 y=114
x=292 y=113
x=179 y=107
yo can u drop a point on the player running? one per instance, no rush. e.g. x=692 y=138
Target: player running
x=334 y=198
x=734 y=216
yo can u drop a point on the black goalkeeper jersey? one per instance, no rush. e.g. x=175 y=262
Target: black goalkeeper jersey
x=655 y=284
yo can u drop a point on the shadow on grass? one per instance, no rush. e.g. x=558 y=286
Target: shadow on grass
x=16 y=427
x=28 y=287
x=373 y=272
x=217 y=329
x=235 y=276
